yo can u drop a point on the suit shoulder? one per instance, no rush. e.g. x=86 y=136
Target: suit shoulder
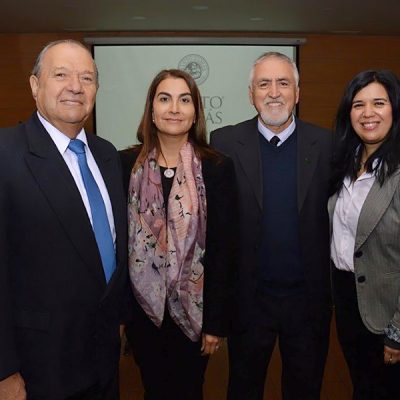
x=231 y=129
x=103 y=143
x=313 y=128
x=322 y=135
x=217 y=169
x=220 y=161
x=9 y=132
x=11 y=136
x=128 y=157
x=225 y=139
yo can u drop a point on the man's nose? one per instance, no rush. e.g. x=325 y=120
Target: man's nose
x=75 y=84
x=274 y=90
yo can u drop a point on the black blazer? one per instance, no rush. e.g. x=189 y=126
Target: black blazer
x=219 y=262
x=59 y=320
x=241 y=143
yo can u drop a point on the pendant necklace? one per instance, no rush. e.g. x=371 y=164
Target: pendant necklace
x=168 y=172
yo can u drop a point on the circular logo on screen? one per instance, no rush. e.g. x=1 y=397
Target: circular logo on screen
x=196 y=66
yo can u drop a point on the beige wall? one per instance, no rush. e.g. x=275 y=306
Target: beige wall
x=327 y=62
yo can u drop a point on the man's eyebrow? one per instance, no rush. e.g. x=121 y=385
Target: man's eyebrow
x=273 y=79
x=86 y=71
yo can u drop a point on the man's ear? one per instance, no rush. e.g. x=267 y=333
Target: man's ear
x=297 y=94
x=251 y=96
x=34 y=82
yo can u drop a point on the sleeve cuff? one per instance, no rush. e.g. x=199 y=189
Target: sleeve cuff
x=392 y=338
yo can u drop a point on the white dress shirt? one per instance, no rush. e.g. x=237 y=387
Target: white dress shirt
x=71 y=159
x=284 y=135
x=345 y=219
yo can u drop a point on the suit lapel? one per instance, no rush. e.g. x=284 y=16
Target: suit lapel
x=375 y=205
x=58 y=186
x=249 y=156
x=307 y=159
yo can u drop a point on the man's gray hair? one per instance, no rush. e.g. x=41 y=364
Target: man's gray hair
x=37 y=67
x=280 y=56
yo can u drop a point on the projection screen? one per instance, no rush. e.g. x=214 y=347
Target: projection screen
x=220 y=67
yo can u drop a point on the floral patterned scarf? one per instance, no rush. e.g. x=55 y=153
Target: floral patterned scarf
x=166 y=257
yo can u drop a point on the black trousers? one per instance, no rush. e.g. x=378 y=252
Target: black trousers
x=303 y=343
x=107 y=391
x=171 y=365
x=363 y=350
x=104 y=391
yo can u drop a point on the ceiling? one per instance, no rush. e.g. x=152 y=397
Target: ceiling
x=366 y=17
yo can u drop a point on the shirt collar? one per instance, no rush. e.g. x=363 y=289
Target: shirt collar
x=365 y=175
x=60 y=139
x=284 y=135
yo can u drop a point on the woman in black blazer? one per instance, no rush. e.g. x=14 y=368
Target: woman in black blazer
x=182 y=218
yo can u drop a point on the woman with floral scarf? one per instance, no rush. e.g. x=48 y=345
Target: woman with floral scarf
x=182 y=217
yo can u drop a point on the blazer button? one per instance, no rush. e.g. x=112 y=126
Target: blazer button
x=358 y=254
x=361 y=279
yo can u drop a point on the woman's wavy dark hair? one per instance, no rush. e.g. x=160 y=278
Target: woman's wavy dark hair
x=147 y=131
x=346 y=159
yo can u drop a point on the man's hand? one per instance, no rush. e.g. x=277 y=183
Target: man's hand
x=13 y=388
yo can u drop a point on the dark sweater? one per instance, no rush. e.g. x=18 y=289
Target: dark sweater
x=281 y=270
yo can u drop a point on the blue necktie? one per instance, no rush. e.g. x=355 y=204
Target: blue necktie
x=101 y=227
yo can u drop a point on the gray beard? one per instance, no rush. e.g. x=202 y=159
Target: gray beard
x=275 y=121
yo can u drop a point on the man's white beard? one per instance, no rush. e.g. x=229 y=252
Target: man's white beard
x=273 y=120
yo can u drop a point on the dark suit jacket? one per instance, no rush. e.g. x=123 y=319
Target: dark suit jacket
x=58 y=318
x=220 y=259
x=241 y=143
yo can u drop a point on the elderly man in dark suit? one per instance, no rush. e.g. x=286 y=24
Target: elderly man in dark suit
x=282 y=166
x=62 y=241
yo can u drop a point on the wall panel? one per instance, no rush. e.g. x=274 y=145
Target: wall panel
x=327 y=62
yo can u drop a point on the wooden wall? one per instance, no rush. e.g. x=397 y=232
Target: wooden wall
x=18 y=54
x=327 y=62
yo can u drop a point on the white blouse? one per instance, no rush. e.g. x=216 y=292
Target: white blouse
x=345 y=219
